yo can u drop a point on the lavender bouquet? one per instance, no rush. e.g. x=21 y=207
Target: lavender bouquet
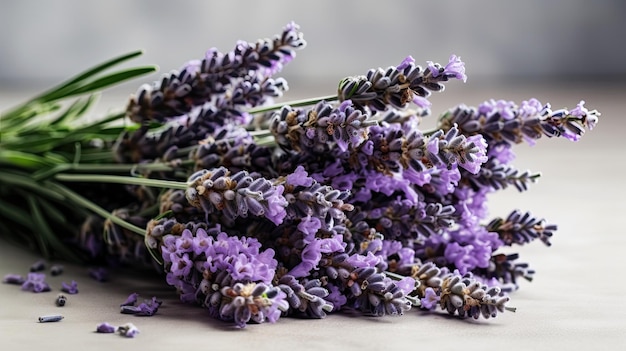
x=256 y=210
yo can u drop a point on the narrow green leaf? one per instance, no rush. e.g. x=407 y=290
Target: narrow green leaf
x=53 y=94
x=37 y=230
x=76 y=110
x=113 y=79
x=24 y=180
x=52 y=211
x=23 y=159
x=15 y=214
x=48 y=237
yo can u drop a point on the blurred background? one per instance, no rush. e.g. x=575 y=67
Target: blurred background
x=571 y=41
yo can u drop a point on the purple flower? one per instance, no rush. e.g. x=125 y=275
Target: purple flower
x=474 y=160
x=148 y=308
x=256 y=302
x=407 y=285
x=71 y=288
x=335 y=297
x=276 y=204
x=309 y=226
x=430 y=299
x=299 y=177
x=507 y=109
x=35 y=282
x=13 y=279
x=415 y=177
x=105 y=328
x=529 y=108
x=364 y=261
x=131 y=300
x=181 y=264
x=406 y=63
x=455 y=68
x=501 y=152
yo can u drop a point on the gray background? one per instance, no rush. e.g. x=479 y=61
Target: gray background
x=42 y=42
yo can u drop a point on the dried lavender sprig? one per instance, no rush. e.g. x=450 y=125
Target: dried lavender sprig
x=236 y=153
x=378 y=295
x=308 y=198
x=400 y=85
x=256 y=302
x=507 y=269
x=505 y=121
x=522 y=228
x=305 y=298
x=321 y=128
x=499 y=176
x=200 y=80
x=236 y=195
x=468 y=297
x=406 y=221
x=391 y=149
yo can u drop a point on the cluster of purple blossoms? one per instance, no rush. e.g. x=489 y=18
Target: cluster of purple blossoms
x=397 y=86
x=228 y=275
x=346 y=204
x=244 y=73
x=237 y=195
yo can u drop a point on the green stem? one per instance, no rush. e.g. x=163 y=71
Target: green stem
x=90 y=178
x=295 y=103
x=78 y=199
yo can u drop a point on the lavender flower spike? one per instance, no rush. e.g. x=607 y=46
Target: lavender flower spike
x=200 y=81
x=236 y=195
x=400 y=85
x=502 y=121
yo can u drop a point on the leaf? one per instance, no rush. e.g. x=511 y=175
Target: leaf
x=113 y=79
x=54 y=93
x=24 y=180
x=24 y=159
x=48 y=238
x=76 y=110
x=15 y=214
x=82 y=83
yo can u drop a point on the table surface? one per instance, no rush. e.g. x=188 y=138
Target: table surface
x=575 y=302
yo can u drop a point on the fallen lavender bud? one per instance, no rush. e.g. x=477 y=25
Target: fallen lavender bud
x=36 y=282
x=129 y=309
x=56 y=269
x=128 y=330
x=105 y=328
x=15 y=279
x=71 y=288
x=48 y=319
x=38 y=266
x=131 y=300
